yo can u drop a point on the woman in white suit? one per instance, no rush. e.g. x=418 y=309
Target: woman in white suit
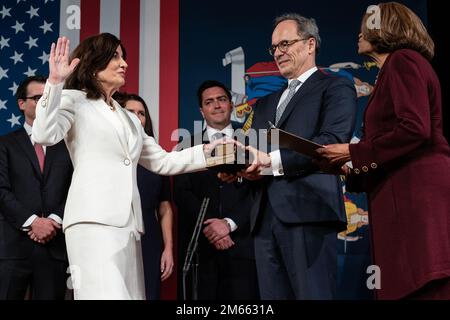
x=102 y=219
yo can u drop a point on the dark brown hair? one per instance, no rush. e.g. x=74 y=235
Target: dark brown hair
x=22 y=90
x=400 y=28
x=94 y=53
x=210 y=84
x=122 y=98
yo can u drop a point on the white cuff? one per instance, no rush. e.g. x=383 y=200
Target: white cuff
x=55 y=218
x=233 y=226
x=26 y=226
x=277 y=166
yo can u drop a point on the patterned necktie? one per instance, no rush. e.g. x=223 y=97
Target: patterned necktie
x=40 y=155
x=283 y=105
x=217 y=135
x=214 y=137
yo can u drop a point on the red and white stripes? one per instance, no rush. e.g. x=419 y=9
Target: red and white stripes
x=149 y=30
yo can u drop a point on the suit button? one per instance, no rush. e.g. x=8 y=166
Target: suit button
x=373 y=165
x=365 y=169
x=127 y=162
x=356 y=171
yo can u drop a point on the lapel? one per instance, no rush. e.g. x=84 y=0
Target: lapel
x=379 y=77
x=306 y=87
x=23 y=140
x=133 y=140
x=377 y=81
x=49 y=156
x=272 y=110
x=103 y=109
x=205 y=138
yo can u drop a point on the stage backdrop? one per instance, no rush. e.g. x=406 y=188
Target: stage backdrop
x=228 y=41
x=148 y=29
x=174 y=45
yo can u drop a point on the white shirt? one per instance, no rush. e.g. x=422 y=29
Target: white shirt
x=30 y=220
x=227 y=131
x=28 y=129
x=275 y=156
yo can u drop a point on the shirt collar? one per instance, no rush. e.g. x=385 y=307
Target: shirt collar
x=27 y=128
x=228 y=131
x=305 y=75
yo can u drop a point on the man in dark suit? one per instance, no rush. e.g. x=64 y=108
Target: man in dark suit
x=227 y=265
x=297 y=210
x=34 y=181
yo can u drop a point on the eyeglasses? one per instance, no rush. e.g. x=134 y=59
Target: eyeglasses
x=35 y=98
x=283 y=46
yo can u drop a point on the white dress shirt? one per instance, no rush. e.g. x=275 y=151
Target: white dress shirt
x=275 y=156
x=228 y=132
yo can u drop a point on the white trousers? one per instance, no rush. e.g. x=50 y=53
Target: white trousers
x=105 y=261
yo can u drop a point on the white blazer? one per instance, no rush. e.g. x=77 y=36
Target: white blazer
x=104 y=185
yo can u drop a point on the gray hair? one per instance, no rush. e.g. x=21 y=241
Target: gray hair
x=306 y=27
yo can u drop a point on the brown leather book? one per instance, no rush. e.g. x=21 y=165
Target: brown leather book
x=227 y=158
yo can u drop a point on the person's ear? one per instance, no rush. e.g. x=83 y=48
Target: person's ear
x=311 y=45
x=21 y=103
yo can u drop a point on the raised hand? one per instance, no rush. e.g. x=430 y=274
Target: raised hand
x=59 y=65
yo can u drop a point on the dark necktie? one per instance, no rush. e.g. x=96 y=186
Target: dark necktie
x=214 y=137
x=40 y=155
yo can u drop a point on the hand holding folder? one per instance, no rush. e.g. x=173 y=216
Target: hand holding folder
x=291 y=141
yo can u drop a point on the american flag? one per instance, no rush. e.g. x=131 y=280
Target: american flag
x=148 y=29
x=27 y=30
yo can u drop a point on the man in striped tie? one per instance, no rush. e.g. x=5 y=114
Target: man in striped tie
x=34 y=181
x=298 y=210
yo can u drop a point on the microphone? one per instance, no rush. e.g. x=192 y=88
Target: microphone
x=192 y=249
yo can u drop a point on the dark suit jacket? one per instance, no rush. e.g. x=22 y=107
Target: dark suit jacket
x=153 y=190
x=24 y=191
x=226 y=201
x=322 y=110
x=404 y=166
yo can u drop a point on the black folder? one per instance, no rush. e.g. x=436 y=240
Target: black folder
x=291 y=141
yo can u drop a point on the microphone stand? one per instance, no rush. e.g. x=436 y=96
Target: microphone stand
x=192 y=249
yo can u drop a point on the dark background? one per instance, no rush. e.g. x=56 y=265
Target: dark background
x=438 y=26
x=210 y=29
